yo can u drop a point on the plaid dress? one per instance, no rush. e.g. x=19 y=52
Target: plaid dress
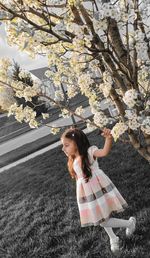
x=98 y=198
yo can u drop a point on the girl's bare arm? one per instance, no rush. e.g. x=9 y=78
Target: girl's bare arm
x=107 y=146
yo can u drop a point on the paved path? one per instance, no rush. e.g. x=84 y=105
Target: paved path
x=35 y=134
x=33 y=155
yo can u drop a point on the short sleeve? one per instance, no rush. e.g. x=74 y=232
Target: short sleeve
x=91 y=151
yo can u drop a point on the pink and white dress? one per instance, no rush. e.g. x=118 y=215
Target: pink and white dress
x=98 y=198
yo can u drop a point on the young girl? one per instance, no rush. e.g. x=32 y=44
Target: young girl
x=97 y=197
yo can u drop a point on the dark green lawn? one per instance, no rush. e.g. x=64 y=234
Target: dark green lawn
x=39 y=215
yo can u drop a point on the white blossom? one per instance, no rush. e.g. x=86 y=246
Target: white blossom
x=17 y=85
x=48 y=73
x=90 y=126
x=130 y=98
x=130 y=113
x=59 y=96
x=64 y=113
x=105 y=89
x=145 y=127
x=133 y=124
x=29 y=92
x=12 y=109
x=84 y=81
x=95 y=106
x=24 y=74
x=72 y=91
x=118 y=130
x=100 y=119
x=76 y=59
x=45 y=115
x=5 y=63
x=33 y=123
x=79 y=110
x=29 y=114
x=54 y=130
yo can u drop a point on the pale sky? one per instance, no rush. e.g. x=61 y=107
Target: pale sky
x=20 y=57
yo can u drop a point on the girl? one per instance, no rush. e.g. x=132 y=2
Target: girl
x=97 y=197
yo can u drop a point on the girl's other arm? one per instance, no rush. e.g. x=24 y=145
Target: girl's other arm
x=107 y=146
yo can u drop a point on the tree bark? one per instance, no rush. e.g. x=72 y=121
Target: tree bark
x=98 y=43
x=147 y=141
x=77 y=18
x=137 y=145
x=116 y=41
x=117 y=101
x=120 y=51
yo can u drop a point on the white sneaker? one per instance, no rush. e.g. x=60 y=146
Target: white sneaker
x=114 y=245
x=130 y=230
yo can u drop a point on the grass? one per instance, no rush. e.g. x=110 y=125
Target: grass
x=39 y=215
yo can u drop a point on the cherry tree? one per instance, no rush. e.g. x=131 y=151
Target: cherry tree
x=97 y=48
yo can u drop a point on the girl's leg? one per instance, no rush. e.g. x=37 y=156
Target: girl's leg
x=116 y=223
x=110 y=232
x=114 y=240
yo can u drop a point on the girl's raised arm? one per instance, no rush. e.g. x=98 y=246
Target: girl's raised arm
x=107 y=146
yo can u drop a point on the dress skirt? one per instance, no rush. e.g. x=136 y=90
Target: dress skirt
x=98 y=199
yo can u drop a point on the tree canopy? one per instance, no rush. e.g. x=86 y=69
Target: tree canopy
x=96 y=47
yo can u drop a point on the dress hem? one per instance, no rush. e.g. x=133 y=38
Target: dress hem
x=104 y=219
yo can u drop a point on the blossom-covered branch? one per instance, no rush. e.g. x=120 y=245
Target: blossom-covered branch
x=97 y=48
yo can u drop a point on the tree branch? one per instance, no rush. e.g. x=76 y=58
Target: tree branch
x=58 y=104
x=49 y=31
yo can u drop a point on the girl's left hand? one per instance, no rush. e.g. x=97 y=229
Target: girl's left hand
x=106 y=133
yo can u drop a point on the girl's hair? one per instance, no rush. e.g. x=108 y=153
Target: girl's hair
x=82 y=142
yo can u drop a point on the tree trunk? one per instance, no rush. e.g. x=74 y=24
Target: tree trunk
x=137 y=145
x=120 y=51
x=117 y=101
x=147 y=141
x=116 y=42
x=118 y=79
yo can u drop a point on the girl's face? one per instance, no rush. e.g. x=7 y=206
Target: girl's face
x=69 y=147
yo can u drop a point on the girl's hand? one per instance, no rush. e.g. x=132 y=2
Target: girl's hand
x=106 y=133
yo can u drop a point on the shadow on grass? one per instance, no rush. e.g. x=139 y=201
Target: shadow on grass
x=39 y=214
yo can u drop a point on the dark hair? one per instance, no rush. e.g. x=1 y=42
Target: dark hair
x=82 y=142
